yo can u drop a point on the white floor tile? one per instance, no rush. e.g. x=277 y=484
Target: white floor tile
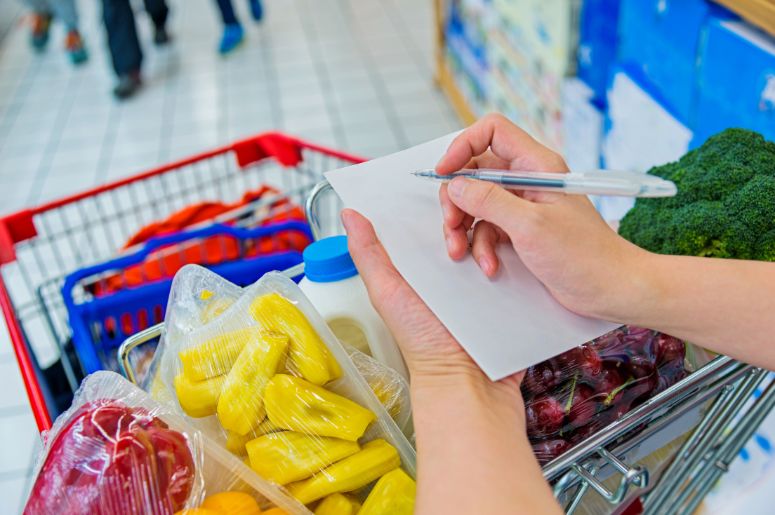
x=12 y=493
x=18 y=434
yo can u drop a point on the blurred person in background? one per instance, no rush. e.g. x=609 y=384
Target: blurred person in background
x=124 y=45
x=233 y=33
x=43 y=12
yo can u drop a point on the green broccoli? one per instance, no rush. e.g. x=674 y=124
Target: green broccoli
x=725 y=206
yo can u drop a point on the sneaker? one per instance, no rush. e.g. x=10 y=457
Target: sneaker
x=160 y=36
x=41 y=23
x=127 y=85
x=257 y=10
x=232 y=37
x=75 y=48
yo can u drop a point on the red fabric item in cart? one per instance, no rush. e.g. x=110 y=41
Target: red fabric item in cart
x=109 y=459
x=211 y=250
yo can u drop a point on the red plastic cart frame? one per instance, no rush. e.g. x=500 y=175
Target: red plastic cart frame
x=20 y=226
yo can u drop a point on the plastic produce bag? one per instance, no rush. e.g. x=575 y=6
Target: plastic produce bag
x=116 y=450
x=575 y=394
x=267 y=375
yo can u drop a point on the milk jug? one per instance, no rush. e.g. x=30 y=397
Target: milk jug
x=332 y=284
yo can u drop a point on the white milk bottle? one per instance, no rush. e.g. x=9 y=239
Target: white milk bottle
x=332 y=284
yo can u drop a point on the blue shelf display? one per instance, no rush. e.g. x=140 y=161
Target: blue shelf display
x=736 y=84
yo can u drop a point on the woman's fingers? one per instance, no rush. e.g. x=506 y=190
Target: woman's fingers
x=456 y=225
x=369 y=255
x=484 y=241
x=495 y=132
x=486 y=201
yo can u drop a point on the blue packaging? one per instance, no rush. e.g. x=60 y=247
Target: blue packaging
x=661 y=39
x=598 y=41
x=736 y=83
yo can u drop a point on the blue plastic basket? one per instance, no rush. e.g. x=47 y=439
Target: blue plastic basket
x=100 y=323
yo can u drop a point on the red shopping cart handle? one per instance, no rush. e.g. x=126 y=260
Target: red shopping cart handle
x=285 y=149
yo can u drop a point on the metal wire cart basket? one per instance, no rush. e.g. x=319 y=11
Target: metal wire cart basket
x=661 y=457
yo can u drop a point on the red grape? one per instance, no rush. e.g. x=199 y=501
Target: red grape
x=669 y=348
x=669 y=374
x=546 y=450
x=540 y=378
x=608 y=380
x=583 y=406
x=640 y=367
x=544 y=416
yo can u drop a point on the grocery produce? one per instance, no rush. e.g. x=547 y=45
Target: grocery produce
x=375 y=459
x=216 y=356
x=724 y=204
x=577 y=393
x=338 y=504
x=198 y=398
x=289 y=456
x=232 y=503
x=309 y=356
x=295 y=404
x=240 y=407
x=277 y=396
x=235 y=443
x=392 y=495
x=111 y=458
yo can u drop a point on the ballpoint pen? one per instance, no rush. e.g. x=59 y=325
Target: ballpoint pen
x=596 y=182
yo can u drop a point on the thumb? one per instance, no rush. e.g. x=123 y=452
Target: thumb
x=490 y=202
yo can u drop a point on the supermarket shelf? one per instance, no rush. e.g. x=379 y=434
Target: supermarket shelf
x=447 y=84
x=444 y=78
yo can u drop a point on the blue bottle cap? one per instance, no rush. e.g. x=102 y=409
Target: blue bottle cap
x=328 y=260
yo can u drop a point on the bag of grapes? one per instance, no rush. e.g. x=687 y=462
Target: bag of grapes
x=577 y=393
x=260 y=372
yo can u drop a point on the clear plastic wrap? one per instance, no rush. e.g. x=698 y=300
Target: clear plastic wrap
x=267 y=378
x=577 y=393
x=116 y=450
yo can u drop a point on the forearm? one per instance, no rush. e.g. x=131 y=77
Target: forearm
x=473 y=452
x=722 y=304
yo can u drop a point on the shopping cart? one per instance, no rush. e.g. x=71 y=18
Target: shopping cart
x=41 y=245
x=636 y=463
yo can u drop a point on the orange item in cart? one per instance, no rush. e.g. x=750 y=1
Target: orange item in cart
x=211 y=250
x=232 y=503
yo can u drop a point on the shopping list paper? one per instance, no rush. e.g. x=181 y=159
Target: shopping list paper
x=505 y=324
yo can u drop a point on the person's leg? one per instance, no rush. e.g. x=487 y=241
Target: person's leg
x=227 y=12
x=41 y=23
x=232 y=29
x=66 y=11
x=125 y=51
x=158 y=11
x=256 y=9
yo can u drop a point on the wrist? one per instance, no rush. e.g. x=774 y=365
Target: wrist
x=636 y=290
x=467 y=386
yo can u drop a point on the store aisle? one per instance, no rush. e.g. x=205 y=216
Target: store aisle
x=354 y=74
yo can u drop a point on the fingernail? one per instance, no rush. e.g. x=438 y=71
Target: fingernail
x=457 y=187
x=485 y=264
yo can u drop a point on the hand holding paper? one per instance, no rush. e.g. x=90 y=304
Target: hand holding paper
x=506 y=323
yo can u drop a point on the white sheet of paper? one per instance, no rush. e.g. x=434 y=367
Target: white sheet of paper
x=505 y=324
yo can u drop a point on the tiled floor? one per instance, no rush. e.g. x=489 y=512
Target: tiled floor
x=353 y=74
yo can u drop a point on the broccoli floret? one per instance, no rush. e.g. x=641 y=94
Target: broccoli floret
x=725 y=206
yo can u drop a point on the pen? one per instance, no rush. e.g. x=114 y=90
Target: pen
x=596 y=182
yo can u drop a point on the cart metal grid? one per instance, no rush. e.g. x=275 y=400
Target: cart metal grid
x=39 y=246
